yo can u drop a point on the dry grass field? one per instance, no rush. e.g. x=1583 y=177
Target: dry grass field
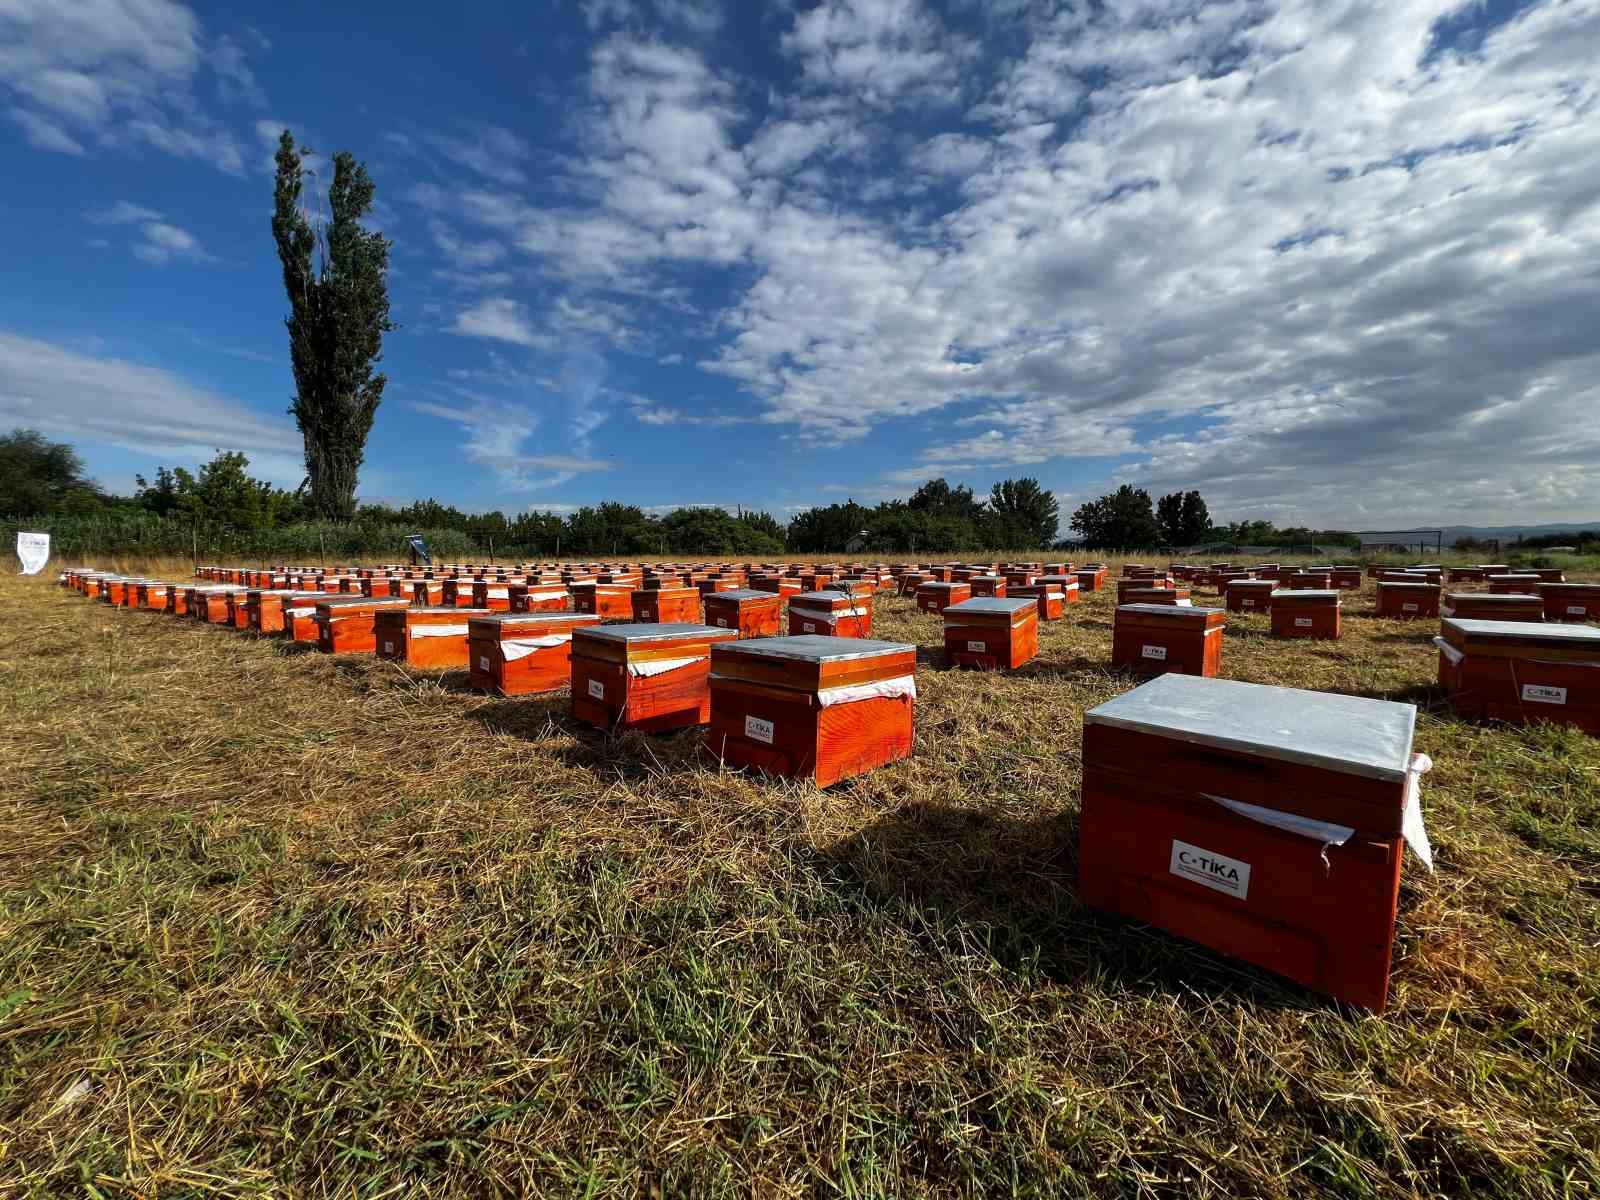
x=276 y=923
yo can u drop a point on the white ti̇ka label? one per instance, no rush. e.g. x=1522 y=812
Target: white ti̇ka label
x=1408 y=608
x=758 y=730
x=645 y=616
x=976 y=647
x=1541 y=694
x=1159 y=653
x=483 y=662
x=722 y=621
x=1210 y=869
x=1576 y=610
x=597 y=689
x=388 y=647
x=808 y=627
x=1302 y=622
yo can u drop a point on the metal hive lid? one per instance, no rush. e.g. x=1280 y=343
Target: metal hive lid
x=814 y=648
x=1350 y=734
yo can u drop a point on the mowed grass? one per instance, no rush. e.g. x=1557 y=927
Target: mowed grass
x=277 y=923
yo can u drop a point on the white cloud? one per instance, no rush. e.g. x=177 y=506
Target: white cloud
x=496 y=317
x=496 y=432
x=95 y=399
x=491 y=151
x=118 y=73
x=160 y=241
x=878 y=49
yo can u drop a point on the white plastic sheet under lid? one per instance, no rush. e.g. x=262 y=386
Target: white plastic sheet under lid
x=645 y=670
x=991 y=606
x=1489 y=598
x=1307 y=593
x=428 y=631
x=1553 y=634
x=741 y=594
x=1165 y=610
x=901 y=685
x=818 y=617
x=513 y=649
x=1451 y=655
x=1407 y=585
x=556 y=595
x=1349 y=734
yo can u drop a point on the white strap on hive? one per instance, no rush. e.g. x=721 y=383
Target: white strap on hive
x=1453 y=656
x=817 y=615
x=1411 y=826
x=1062 y=596
x=497 y=593
x=517 y=648
x=1325 y=832
x=300 y=612
x=645 y=670
x=547 y=595
x=427 y=631
x=903 y=685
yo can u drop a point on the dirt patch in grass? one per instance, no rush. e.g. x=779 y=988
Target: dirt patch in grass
x=278 y=923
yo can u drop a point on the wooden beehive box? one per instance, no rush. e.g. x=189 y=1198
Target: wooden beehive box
x=1309 y=581
x=269 y=613
x=239 y=607
x=907 y=583
x=348 y=626
x=1547 y=574
x=992 y=632
x=987 y=585
x=609 y=601
x=1570 y=601
x=517 y=654
x=650 y=678
x=750 y=613
x=1345 y=579
x=1178 y=597
x=1519 y=583
x=1020 y=578
x=936 y=597
x=1307 y=614
x=537 y=596
x=1249 y=595
x=1263 y=822
x=377 y=587
x=1165 y=637
x=1522 y=671
x=1090 y=579
x=1466 y=575
x=430 y=639
x=1140 y=583
x=1057 y=568
x=812 y=581
x=492 y=594
x=830 y=613
x=1051 y=594
x=817 y=708
x=667 y=605
x=713 y=584
x=1402 y=601
x=152 y=596
x=1491 y=606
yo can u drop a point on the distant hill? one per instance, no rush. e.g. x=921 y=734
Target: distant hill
x=1510 y=533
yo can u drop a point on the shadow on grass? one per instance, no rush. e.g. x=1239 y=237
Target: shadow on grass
x=631 y=756
x=1011 y=886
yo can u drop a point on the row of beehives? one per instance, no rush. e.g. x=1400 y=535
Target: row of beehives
x=1264 y=822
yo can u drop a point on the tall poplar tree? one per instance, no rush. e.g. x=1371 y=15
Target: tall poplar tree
x=338 y=314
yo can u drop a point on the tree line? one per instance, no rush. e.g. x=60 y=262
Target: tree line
x=1128 y=519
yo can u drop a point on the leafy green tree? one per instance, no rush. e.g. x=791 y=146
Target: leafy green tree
x=1184 y=518
x=430 y=514
x=538 y=532
x=1022 y=514
x=829 y=529
x=338 y=314
x=222 y=493
x=938 y=499
x=37 y=475
x=764 y=523
x=611 y=529
x=1123 y=520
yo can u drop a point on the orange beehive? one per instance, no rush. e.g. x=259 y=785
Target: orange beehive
x=1345 y=579
x=609 y=601
x=348 y=625
x=817 y=708
x=752 y=614
x=1175 y=596
x=433 y=639
x=491 y=594
x=1020 y=577
x=1249 y=595
x=269 y=609
x=650 y=678
x=1307 y=614
x=1308 y=581
x=517 y=654
x=1519 y=583
x=907 y=583
x=986 y=585
x=666 y=605
x=152 y=596
x=1090 y=579
x=713 y=584
x=811 y=581
x=1263 y=822
x=427 y=593
x=1050 y=594
x=1491 y=606
x=1521 y=671
x=992 y=632
x=1405 y=600
x=936 y=597
x=377 y=587
x=830 y=613
x=538 y=597
x=1570 y=601
x=239 y=607
x=1166 y=637
x=1466 y=575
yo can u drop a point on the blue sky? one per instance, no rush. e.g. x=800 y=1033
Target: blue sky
x=1328 y=262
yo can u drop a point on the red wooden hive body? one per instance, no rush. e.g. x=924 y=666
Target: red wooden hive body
x=347 y=626
x=1306 y=614
x=1491 y=606
x=610 y=601
x=818 y=708
x=830 y=613
x=1570 y=601
x=1263 y=822
x=1249 y=595
x=433 y=639
x=516 y=654
x=992 y=632
x=750 y=613
x=646 y=677
x=1404 y=601
x=1520 y=672
x=1164 y=637
x=674 y=605
x=936 y=596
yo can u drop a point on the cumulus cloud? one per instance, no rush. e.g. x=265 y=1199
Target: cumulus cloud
x=89 y=398
x=1313 y=256
x=121 y=73
x=496 y=432
x=159 y=241
x=496 y=317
